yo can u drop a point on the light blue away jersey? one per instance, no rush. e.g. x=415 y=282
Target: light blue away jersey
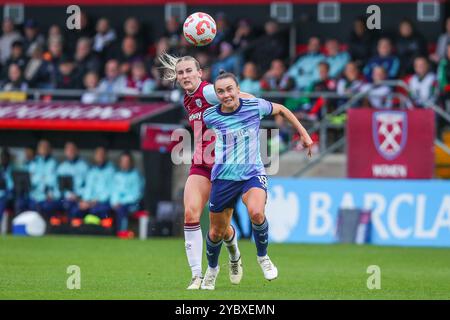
x=237 y=154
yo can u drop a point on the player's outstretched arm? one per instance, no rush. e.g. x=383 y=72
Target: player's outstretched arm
x=289 y=116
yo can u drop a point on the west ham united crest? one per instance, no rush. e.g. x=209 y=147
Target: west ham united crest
x=390 y=132
x=198 y=102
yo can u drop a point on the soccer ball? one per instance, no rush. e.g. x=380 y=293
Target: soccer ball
x=199 y=29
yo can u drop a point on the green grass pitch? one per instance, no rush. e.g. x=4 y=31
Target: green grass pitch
x=36 y=268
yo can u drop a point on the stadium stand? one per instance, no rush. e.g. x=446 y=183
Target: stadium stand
x=108 y=61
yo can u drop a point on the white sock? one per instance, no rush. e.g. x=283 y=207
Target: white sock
x=232 y=247
x=194 y=247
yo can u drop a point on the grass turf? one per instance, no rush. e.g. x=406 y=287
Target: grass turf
x=36 y=268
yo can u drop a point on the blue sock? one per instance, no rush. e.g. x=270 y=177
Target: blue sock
x=213 y=251
x=261 y=236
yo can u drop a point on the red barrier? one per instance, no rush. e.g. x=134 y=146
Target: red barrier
x=390 y=143
x=157 y=137
x=75 y=116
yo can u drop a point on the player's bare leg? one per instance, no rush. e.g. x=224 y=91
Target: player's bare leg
x=255 y=200
x=196 y=194
x=218 y=224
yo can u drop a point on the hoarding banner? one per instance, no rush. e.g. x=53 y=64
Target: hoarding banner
x=403 y=212
x=390 y=144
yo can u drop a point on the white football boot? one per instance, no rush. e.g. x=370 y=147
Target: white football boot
x=209 y=280
x=268 y=268
x=235 y=268
x=195 y=284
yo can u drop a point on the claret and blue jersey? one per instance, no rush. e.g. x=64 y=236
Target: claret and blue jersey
x=237 y=152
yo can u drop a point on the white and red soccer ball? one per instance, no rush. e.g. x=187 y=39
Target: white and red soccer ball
x=199 y=29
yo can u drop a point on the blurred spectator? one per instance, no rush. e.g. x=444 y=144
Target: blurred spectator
x=351 y=81
x=360 y=42
x=75 y=168
x=173 y=32
x=86 y=31
x=138 y=81
x=409 y=44
x=243 y=35
x=272 y=45
x=423 y=84
x=67 y=77
x=53 y=56
x=15 y=81
x=104 y=37
x=185 y=48
x=226 y=61
x=161 y=46
x=85 y=59
x=55 y=50
x=128 y=54
x=250 y=80
x=114 y=83
x=44 y=193
x=335 y=58
x=132 y=28
x=6 y=182
x=97 y=191
x=127 y=191
x=304 y=71
x=379 y=95
x=22 y=197
x=206 y=74
x=29 y=156
x=224 y=32
x=444 y=74
x=17 y=57
x=325 y=84
x=276 y=78
x=203 y=59
x=90 y=81
x=6 y=40
x=443 y=41
x=33 y=38
x=385 y=59
x=37 y=71
x=54 y=32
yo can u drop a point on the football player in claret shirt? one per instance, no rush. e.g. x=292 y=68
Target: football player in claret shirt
x=199 y=95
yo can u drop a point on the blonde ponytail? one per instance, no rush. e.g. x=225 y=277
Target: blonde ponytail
x=169 y=64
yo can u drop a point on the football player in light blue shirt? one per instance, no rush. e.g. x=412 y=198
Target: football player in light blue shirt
x=97 y=191
x=127 y=191
x=44 y=194
x=6 y=182
x=238 y=169
x=77 y=169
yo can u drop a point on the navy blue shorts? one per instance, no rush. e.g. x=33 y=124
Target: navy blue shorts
x=225 y=193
